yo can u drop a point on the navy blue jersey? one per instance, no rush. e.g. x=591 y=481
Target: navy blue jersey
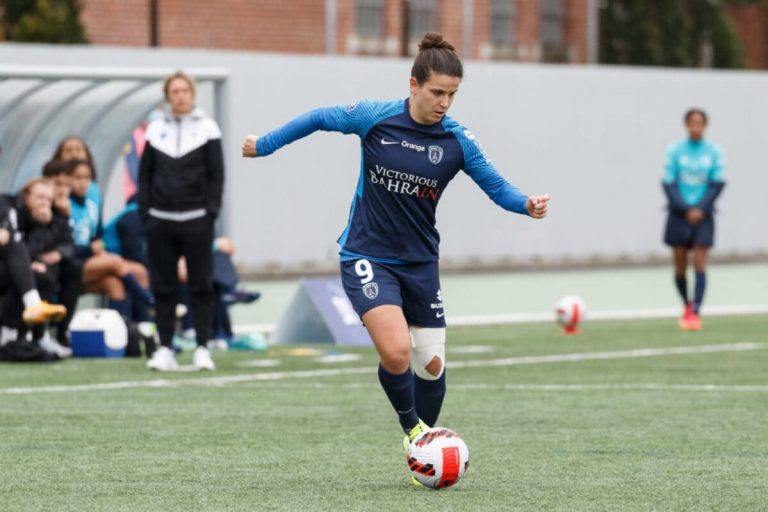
x=404 y=170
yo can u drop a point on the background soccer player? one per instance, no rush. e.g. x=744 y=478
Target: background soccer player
x=389 y=249
x=693 y=179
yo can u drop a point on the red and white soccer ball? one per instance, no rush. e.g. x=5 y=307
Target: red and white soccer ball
x=438 y=458
x=570 y=311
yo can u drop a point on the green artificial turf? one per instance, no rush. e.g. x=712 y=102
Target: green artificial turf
x=665 y=432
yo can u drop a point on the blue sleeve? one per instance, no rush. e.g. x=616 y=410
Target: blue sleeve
x=670 y=166
x=110 y=238
x=676 y=202
x=716 y=175
x=707 y=203
x=356 y=118
x=481 y=170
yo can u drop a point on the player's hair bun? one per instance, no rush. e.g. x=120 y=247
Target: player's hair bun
x=435 y=40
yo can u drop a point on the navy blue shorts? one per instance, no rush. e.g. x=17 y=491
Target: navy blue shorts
x=415 y=287
x=680 y=233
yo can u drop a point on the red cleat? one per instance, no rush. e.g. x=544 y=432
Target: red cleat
x=685 y=319
x=694 y=322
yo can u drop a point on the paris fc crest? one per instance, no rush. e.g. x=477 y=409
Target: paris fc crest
x=371 y=290
x=435 y=154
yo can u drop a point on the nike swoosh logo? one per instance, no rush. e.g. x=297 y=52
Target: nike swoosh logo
x=389 y=141
x=440 y=315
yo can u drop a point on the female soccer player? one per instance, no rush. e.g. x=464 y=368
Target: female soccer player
x=75 y=148
x=125 y=282
x=389 y=249
x=693 y=179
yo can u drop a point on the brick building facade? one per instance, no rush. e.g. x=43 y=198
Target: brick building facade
x=751 y=22
x=524 y=30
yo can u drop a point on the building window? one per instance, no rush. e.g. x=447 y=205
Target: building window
x=421 y=18
x=370 y=18
x=503 y=21
x=552 y=22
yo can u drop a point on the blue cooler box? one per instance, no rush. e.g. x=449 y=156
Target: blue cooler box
x=98 y=333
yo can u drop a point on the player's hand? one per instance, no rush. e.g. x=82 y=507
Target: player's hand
x=5 y=236
x=51 y=257
x=249 y=146
x=537 y=206
x=97 y=247
x=225 y=245
x=38 y=267
x=694 y=215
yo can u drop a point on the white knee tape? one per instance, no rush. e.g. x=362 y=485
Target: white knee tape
x=426 y=343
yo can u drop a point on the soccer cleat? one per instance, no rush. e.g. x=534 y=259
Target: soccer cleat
x=694 y=322
x=416 y=483
x=52 y=346
x=202 y=359
x=413 y=434
x=162 y=360
x=410 y=436
x=43 y=312
x=684 y=321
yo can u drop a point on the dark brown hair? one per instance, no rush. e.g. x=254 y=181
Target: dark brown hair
x=58 y=166
x=60 y=149
x=436 y=55
x=78 y=163
x=692 y=112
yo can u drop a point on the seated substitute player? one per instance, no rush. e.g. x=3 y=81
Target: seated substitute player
x=693 y=180
x=17 y=281
x=389 y=250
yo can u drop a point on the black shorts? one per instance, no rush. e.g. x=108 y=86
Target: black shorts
x=680 y=233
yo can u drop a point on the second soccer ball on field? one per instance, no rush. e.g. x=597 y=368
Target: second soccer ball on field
x=570 y=312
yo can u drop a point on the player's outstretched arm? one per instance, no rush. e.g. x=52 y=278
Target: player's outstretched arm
x=249 y=146
x=537 y=206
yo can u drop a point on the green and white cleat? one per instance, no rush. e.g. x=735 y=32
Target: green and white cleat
x=416 y=483
x=413 y=434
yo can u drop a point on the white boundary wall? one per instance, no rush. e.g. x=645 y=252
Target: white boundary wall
x=594 y=137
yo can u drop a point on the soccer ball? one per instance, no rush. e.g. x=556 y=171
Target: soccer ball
x=438 y=458
x=570 y=311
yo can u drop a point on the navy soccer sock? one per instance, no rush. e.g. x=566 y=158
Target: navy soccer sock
x=701 y=285
x=121 y=306
x=138 y=291
x=400 y=391
x=429 y=398
x=140 y=309
x=682 y=287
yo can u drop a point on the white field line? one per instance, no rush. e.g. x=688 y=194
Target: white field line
x=612 y=387
x=596 y=356
x=334 y=372
x=540 y=317
x=760 y=388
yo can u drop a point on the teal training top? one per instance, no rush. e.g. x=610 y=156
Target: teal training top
x=693 y=166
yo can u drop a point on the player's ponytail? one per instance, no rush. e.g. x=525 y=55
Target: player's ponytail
x=436 y=55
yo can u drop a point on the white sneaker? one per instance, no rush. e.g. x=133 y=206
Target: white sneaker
x=163 y=360
x=218 y=344
x=202 y=359
x=52 y=346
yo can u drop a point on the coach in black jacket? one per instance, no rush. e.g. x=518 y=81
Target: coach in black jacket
x=181 y=181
